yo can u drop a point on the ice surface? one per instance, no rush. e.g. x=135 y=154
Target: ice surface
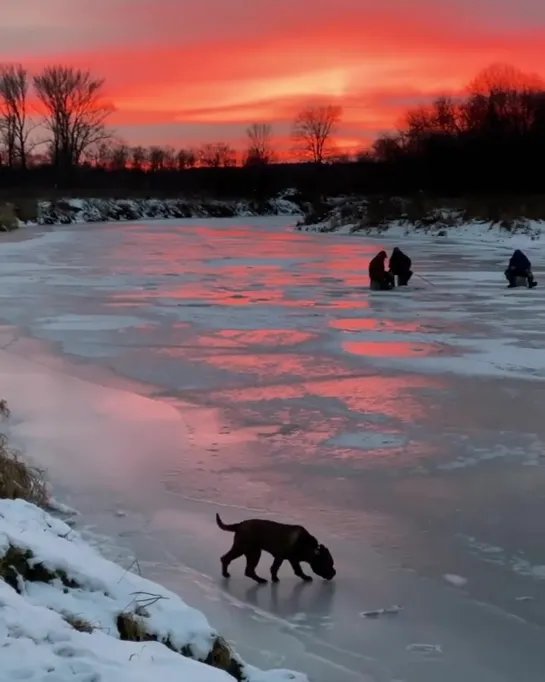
x=181 y=369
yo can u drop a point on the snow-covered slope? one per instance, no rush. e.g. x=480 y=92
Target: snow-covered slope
x=66 y=613
x=107 y=210
x=393 y=219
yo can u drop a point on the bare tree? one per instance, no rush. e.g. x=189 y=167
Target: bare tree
x=97 y=155
x=14 y=119
x=313 y=131
x=170 y=161
x=260 y=150
x=157 y=158
x=504 y=78
x=388 y=147
x=217 y=155
x=138 y=158
x=74 y=112
x=120 y=154
x=185 y=158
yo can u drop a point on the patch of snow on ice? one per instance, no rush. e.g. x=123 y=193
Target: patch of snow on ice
x=456 y=580
x=497 y=555
x=91 y=322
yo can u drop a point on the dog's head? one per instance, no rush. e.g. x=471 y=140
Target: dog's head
x=321 y=562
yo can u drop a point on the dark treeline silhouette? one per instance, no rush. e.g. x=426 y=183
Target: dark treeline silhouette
x=491 y=139
x=488 y=140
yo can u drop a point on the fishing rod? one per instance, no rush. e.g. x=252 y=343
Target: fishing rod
x=425 y=280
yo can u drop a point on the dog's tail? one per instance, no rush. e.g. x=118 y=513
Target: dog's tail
x=226 y=526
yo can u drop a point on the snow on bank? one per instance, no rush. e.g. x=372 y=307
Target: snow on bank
x=394 y=219
x=529 y=231
x=66 y=613
x=68 y=211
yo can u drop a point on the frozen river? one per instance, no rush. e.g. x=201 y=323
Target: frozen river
x=163 y=372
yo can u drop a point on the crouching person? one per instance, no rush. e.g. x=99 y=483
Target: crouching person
x=400 y=267
x=380 y=279
x=519 y=268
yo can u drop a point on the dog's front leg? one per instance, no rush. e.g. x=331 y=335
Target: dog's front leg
x=278 y=561
x=299 y=571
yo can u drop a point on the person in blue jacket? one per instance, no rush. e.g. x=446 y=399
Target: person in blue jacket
x=519 y=266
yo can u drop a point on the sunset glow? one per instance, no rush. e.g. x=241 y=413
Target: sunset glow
x=182 y=72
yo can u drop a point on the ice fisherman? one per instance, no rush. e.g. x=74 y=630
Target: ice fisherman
x=380 y=278
x=519 y=266
x=400 y=267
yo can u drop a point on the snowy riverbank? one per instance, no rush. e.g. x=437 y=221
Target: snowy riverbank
x=93 y=210
x=532 y=232
x=404 y=218
x=68 y=612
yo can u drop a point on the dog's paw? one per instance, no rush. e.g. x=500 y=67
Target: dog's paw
x=307 y=578
x=275 y=579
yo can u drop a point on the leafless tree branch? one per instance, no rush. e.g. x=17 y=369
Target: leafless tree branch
x=75 y=112
x=313 y=131
x=14 y=120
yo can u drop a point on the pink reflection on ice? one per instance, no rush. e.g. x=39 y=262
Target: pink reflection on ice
x=266 y=366
x=390 y=349
x=289 y=266
x=391 y=397
x=355 y=324
x=234 y=338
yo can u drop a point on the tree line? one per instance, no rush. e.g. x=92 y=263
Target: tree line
x=54 y=132
x=490 y=138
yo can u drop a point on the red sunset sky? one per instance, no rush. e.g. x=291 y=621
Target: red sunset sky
x=187 y=71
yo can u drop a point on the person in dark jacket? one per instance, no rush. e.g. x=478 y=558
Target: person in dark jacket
x=380 y=278
x=400 y=267
x=519 y=266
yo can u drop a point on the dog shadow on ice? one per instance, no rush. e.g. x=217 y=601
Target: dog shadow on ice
x=309 y=605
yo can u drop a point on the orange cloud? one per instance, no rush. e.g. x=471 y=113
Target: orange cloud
x=185 y=71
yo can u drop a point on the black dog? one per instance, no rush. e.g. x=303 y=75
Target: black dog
x=284 y=542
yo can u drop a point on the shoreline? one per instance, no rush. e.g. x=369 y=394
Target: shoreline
x=115 y=530
x=13 y=367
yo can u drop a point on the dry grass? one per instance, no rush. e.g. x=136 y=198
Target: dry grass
x=79 y=624
x=19 y=480
x=423 y=211
x=26 y=210
x=222 y=657
x=19 y=565
x=8 y=217
x=506 y=211
x=132 y=627
x=4 y=409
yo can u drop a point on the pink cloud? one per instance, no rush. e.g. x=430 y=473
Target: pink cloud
x=192 y=67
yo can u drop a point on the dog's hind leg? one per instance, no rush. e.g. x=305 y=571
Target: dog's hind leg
x=234 y=553
x=278 y=561
x=252 y=559
x=299 y=571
